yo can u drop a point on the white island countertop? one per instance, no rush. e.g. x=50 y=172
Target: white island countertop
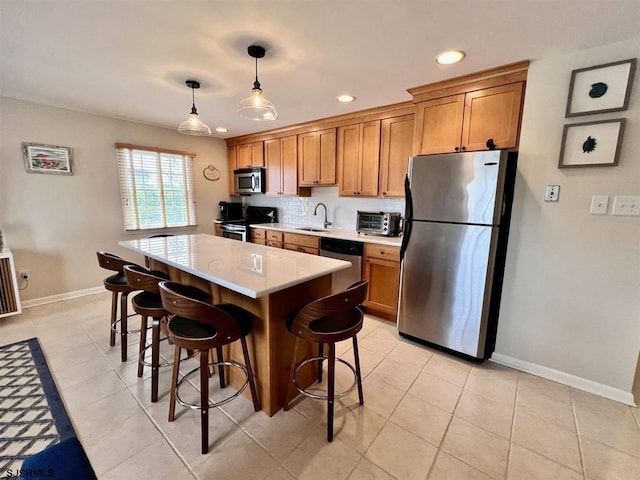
x=247 y=268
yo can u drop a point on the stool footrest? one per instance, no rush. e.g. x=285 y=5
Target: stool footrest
x=218 y=403
x=324 y=397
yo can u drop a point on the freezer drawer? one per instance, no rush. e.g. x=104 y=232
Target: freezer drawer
x=445 y=285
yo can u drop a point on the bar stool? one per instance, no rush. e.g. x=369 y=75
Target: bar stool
x=201 y=326
x=148 y=304
x=328 y=320
x=118 y=286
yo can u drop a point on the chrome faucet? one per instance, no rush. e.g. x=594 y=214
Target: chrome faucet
x=315 y=212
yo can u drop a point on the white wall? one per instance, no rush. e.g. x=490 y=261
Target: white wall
x=55 y=224
x=571 y=298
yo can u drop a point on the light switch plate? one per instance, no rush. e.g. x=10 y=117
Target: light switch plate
x=626 y=205
x=551 y=193
x=599 y=204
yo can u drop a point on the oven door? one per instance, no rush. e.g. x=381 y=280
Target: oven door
x=234 y=232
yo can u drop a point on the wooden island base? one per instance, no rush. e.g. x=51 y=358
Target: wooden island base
x=270 y=344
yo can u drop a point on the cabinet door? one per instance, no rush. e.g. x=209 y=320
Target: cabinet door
x=369 y=158
x=244 y=156
x=274 y=166
x=232 y=155
x=439 y=125
x=289 y=165
x=384 y=279
x=348 y=159
x=308 y=154
x=257 y=154
x=492 y=113
x=395 y=150
x=327 y=157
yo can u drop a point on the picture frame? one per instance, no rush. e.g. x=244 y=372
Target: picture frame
x=591 y=144
x=53 y=159
x=601 y=88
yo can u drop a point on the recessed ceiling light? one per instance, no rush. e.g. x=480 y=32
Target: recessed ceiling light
x=221 y=130
x=449 y=57
x=345 y=98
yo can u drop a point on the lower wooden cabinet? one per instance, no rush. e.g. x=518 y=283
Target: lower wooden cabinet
x=217 y=230
x=382 y=270
x=302 y=243
x=259 y=236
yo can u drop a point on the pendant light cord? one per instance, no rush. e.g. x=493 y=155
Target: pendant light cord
x=256 y=84
x=193 y=101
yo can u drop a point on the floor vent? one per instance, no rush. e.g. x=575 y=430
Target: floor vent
x=9 y=296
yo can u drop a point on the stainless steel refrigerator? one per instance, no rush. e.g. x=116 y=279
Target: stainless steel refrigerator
x=458 y=208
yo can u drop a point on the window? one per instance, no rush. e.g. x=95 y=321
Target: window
x=156 y=187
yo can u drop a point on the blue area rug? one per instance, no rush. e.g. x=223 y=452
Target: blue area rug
x=32 y=415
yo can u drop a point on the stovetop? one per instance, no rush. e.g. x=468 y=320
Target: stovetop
x=256 y=215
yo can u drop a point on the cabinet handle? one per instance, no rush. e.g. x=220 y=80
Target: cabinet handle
x=384 y=193
x=463 y=149
x=456 y=149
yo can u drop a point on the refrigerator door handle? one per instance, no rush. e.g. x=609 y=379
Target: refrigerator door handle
x=408 y=217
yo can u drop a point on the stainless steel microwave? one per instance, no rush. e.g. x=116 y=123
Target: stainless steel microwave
x=386 y=224
x=249 y=180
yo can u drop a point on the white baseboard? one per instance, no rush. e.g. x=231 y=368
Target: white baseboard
x=566 y=379
x=62 y=296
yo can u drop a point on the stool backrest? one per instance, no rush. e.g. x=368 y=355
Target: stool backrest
x=333 y=304
x=112 y=262
x=193 y=303
x=142 y=278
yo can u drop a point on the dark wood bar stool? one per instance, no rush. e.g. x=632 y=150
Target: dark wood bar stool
x=148 y=303
x=118 y=286
x=199 y=325
x=328 y=320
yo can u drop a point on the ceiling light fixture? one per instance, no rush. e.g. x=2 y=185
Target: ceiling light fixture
x=345 y=98
x=449 y=57
x=255 y=106
x=193 y=125
x=221 y=130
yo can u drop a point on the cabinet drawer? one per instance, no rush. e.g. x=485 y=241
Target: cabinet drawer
x=271 y=243
x=303 y=240
x=259 y=241
x=258 y=234
x=386 y=252
x=300 y=248
x=274 y=236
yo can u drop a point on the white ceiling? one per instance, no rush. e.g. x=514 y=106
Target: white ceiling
x=130 y=58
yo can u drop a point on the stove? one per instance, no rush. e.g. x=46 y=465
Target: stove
x=239 y=229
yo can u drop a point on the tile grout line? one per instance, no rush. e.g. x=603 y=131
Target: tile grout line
x=574 y=412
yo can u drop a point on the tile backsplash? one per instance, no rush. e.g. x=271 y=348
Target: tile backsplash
x=341 y=211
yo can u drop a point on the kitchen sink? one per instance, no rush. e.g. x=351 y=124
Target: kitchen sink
x=312 y=229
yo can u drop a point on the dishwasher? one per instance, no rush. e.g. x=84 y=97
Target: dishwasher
x=343 y=250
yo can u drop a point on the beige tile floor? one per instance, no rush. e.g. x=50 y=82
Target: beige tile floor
x=427 y=415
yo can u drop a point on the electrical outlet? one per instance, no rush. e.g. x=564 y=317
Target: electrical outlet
x=626 y=205
x=23 y=275
x=599 y=204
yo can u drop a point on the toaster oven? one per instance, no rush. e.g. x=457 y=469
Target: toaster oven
x=386 y=224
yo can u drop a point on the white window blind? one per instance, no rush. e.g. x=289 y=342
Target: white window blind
x=156 y=187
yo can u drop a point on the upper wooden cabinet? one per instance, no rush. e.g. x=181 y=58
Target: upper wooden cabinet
x=395 y=150
x=471 y=112
x=466 y=122
x=359 y=159
x=250 y=155
x=281 y=158
x=232 y=158
x=317 y=158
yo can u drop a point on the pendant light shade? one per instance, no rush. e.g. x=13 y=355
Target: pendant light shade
x=193 y=125
x=256 y=106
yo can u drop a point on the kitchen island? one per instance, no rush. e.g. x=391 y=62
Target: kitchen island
x=269 y=282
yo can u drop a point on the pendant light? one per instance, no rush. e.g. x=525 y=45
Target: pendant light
x=255 y=106
x=193 y=125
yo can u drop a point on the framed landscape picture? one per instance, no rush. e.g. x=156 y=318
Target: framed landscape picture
x=54 y=159
x=591 y=144
x=600 y=89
